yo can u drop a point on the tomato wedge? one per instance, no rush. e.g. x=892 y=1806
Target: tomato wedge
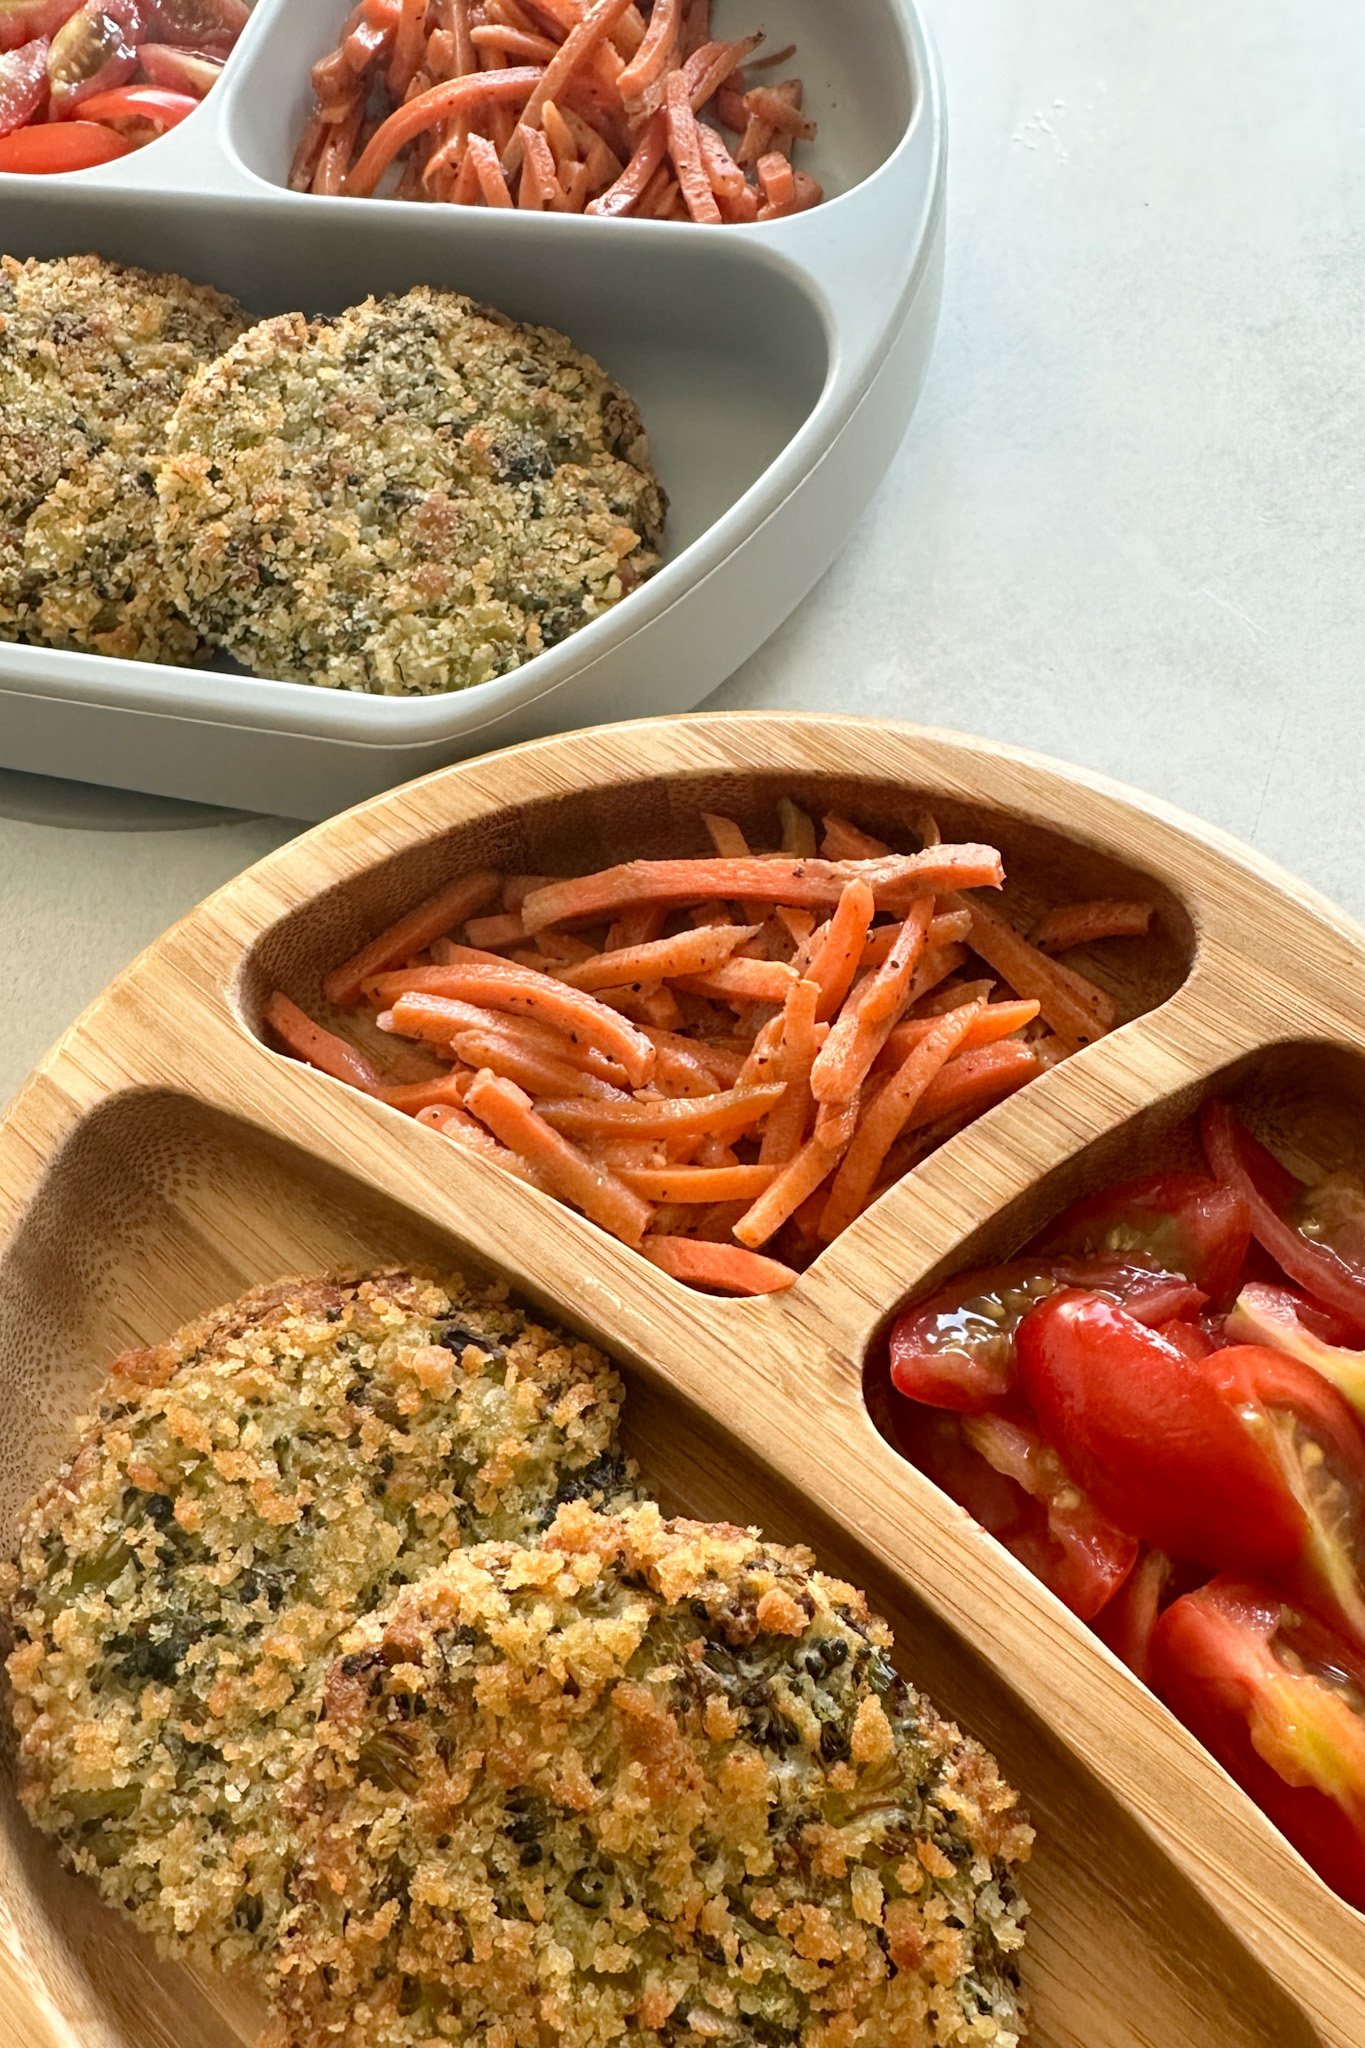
x=1279 y=1318
x=1243 y=1461
x=23 y=83
x=139 y=103
x=1011 y=1482
x=956 y=1350
x=22 y=21
x=61 y=146
x=1280 y=1702
x=95 y=49
x=1127 y=1621
x=1315 y=1234
x=179 y=70
x=1183 y=1222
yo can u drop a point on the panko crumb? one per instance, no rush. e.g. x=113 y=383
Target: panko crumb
x=242 y=1494
x=604 y=1789
x=413 y=496
x=93 y=359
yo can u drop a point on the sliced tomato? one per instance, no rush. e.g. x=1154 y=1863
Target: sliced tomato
x=61 y=146
x=956 y=1350
x=1244 y=1460
x=23 y=84
x=1184 y=1222
x=1279 y=1318
x=139 y=104
x=93 y=51
x=1280 y=1702
x=1316 y=1235
x=1009 y=1480
x=197 y=24
x=179 y=70
x=1193 y=1339
x=23 y=21
x=1127 y=1621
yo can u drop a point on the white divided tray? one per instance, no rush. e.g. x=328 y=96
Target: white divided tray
x=776 y=367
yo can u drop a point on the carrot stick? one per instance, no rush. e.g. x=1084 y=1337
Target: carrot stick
x=951 y=997
x=655 y=53
x=539 y=189
x=726 y=176
x=435 y=915
x=742 y=981
x=698 y=1183
x=539 y=1072
x=896 y=882
x=684 y=147
x=504 y=928
x=777 y=179
x=717 y=1062
x=441 y=102
x=516 y=889
x=1071 y=1014
x=974 y=1080
x=886 y=1117
x=472 y=1137
x=1084 y=924
x=407 y=47
x=624 y=195
x=834 y=965
x=710 y=65
x=778 y=111
x=933 y=969
x=733 y=1110
x=562 y=1169
x=843 y=840
x=423 y=1010
x=799 y=1045
x=795 y=1183
x=572 y=53
x=724 y=1267
x=947 y=928
x=869 y=1015
x=636 y=927
x=691 y=952
x=412 y=1097
x=990 y=1023
x=319 y=1047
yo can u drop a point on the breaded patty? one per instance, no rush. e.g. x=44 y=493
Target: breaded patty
x=243 y=1493
x=411 y=497
x=93 y=358
x=654 y=1780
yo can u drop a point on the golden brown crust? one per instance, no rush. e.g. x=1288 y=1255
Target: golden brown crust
x=244 y=1491
x=654 y=1779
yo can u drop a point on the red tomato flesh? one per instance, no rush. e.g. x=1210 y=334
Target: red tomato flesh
x=21 y=21
x=1279 y=1318
x=1280 y=1702
x=1305 y=1230
x=94 y=50
x=178 y=70
x=1127 y=1621
x=1244 y=1460
x=956 y=1350
x=1009 y=1480
x=1183 y=1222
x=139 y=103
x=23 y=84
x=64 y=146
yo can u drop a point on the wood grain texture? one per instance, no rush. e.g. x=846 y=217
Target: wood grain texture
x=163 y=1158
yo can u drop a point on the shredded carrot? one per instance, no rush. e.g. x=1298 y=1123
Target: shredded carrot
x=1071 y=1014
x=438 y=103
x=743 y=981
x=684 y=146
x=724 y=1114
x=698 y=1183
x=1085 y=924
x=839 y=955
x=974 y=1080
x=623 y=195
x=990 y=1022
x=796 y=1053
x=472 y=1137
x=510 y=1115
x=504 y=928
x=423 y=1010
x=843 y=840
x=869 y=1014
x=651 y=60
x=725 y=1268
x=795 y=1183
x=691 y=952
x=319 y=1047
x=436 y=915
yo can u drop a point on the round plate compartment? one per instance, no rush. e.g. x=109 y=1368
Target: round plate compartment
x=776 y=367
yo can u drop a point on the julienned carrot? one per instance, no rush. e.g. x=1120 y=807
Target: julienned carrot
x=472 y=1137
x=319 y=1047
x=431 y=919
x=636 y=927
x=512 y=1117
x=743 y=981
x=690 y=952
x=896 y=881
x=725 y=1114
x=974 y=1080
x=438 y=103
x=796 y=1052
x=869 y=1014
x=443 y=1091
x=843 y=840
x=504 y=928
x=624 y=194
x=593 y=29
x=698 y=1183
x=990 y=1022
x=419 y=1011
x=540 y=1072
x=684 y=146
x=724 y=1267
x=1030 y=973
x=836 y=961
x=651 y=60
x=886 y=1117
x=1084 y=924
x=952 y=996
x=795 y=1183
x=946 y=929
x=723 y=1065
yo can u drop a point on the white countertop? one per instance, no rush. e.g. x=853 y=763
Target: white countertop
x=1128 y=524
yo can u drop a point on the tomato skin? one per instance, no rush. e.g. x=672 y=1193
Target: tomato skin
x=956 y=1350
x=1283 y=1320
x=92 y=51
x=1293 y=1740
x=64 y=146
x=1184 y=1222
x=1271 y=1192
x=1189 y=1454
x=23 y=84
x=1127 y=1621
x=1009 y=1480
x=139 y=103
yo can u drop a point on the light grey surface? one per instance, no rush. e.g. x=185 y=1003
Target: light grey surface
x=1128 y=525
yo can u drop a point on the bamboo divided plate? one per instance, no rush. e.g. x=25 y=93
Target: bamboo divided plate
x=163 y=1159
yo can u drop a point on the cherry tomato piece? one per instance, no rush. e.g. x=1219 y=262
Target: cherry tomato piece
x=23 y=83
x=956 y=1350
x=1278 y=1318
x=23 y=21
x=94 y=50
x=1184 y=1222
x=1126 y=1622
x=1280 y=1702
x=197 y=24
x=139 y=103
x=179 y=70
x=1315 y=1234
x=1191 y=1339
x=1007 y=1478
x=1244 y=1460
x=61 y=146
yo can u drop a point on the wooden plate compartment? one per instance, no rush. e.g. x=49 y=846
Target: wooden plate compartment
x=162 y=1158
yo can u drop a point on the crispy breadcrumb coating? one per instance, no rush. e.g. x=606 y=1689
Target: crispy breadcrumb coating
x=649 y=1779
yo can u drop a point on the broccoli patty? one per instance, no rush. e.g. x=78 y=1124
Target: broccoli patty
x=414 y=496
x=243 y=1493
x=654 y=1780
x=93 y=358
